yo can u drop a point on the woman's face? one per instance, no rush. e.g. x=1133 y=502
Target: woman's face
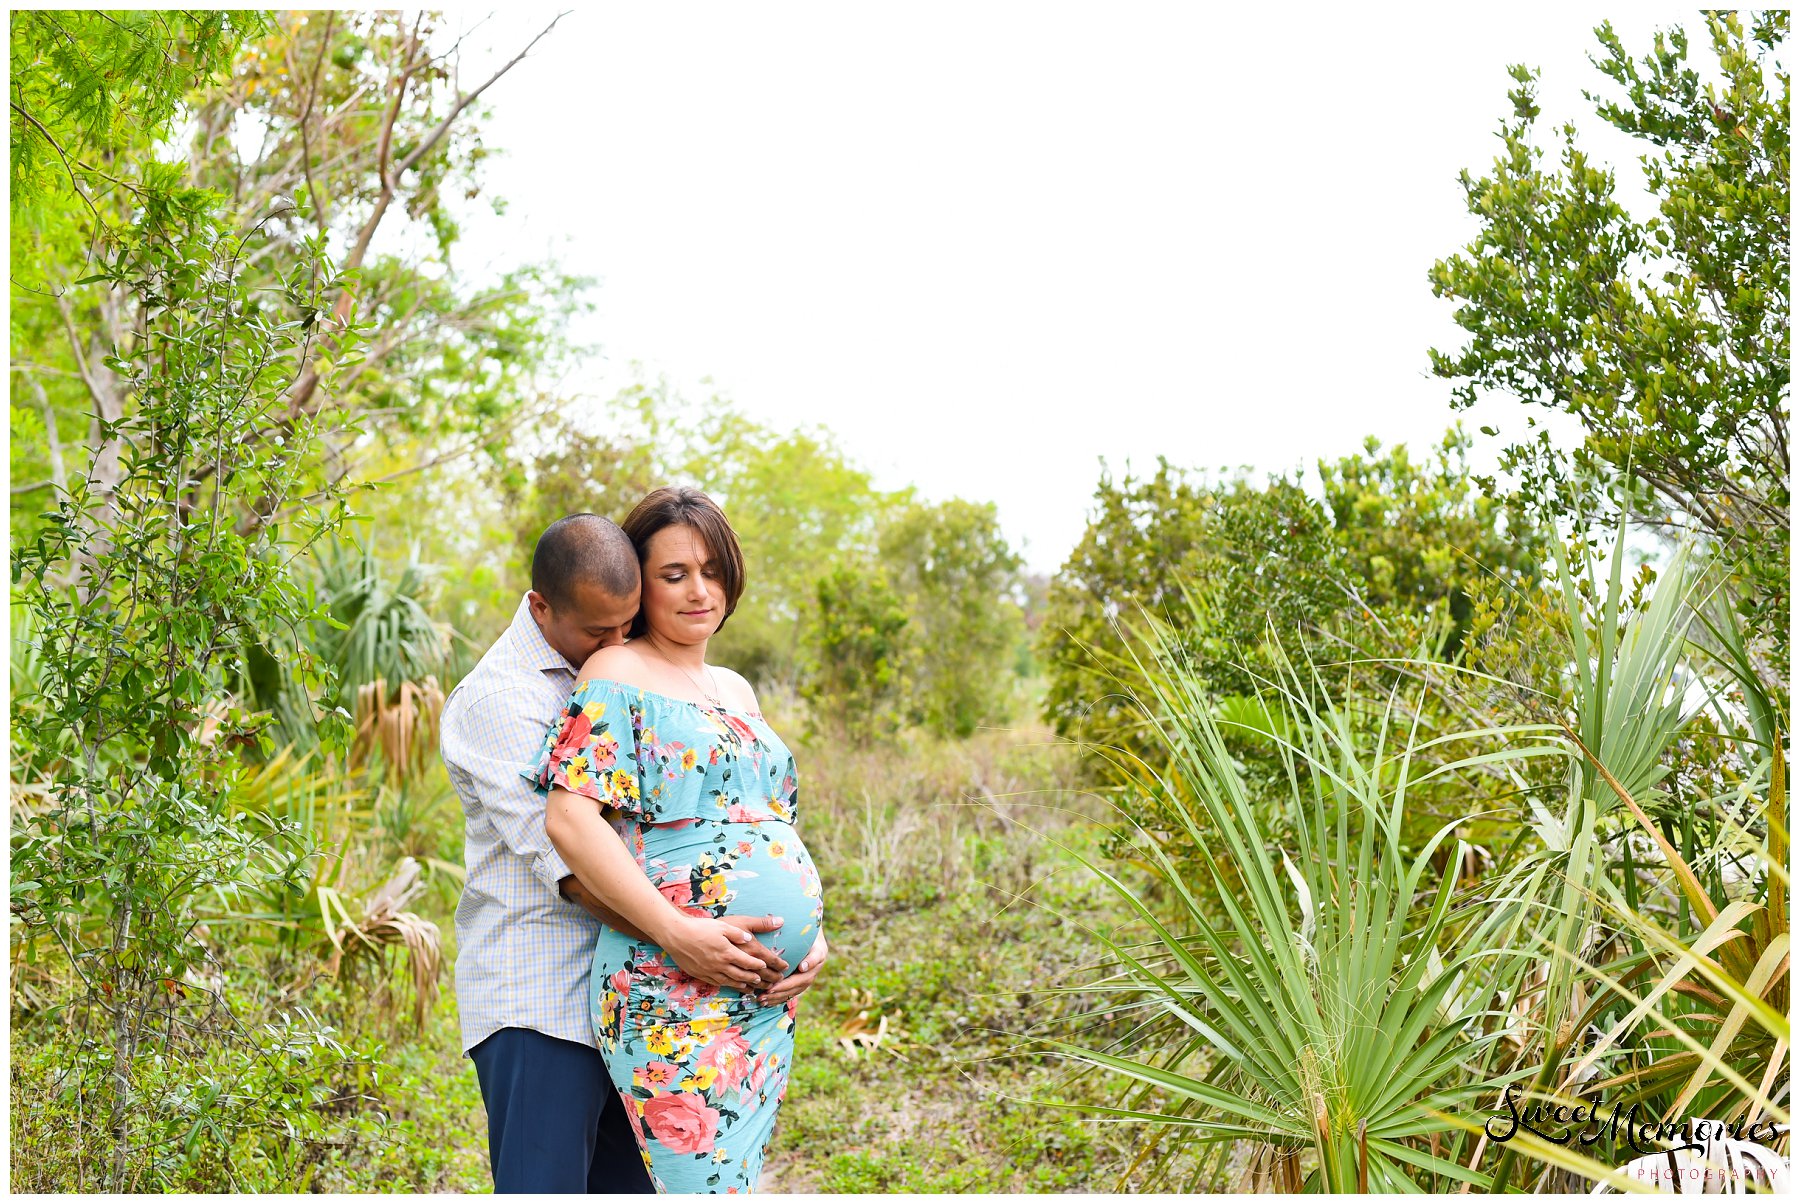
x=683 y=598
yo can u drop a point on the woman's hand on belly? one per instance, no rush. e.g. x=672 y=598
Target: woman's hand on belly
x=725 y=952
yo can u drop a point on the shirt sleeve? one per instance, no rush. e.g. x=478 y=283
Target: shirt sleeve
x=591 y=749
x=491 y=742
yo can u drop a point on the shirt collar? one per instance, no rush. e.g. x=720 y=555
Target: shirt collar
x=534 y=650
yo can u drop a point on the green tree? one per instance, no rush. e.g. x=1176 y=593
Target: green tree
x=201 y=392
x=799 y=507
x=90 y=87
x=1667 y=338
x=1389 y=566
x=960 y=582
x=285 y=141
x=854 y=674
x=134 y=739
x=1254 y=559
x=1417 y=534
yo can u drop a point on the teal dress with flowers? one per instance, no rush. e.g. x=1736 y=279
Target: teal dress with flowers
x=705 y=798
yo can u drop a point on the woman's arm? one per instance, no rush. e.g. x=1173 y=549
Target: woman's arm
x=571 y=889
x=713 y=951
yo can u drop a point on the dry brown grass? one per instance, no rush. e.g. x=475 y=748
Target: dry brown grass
x=404 y=731
x=386 y=925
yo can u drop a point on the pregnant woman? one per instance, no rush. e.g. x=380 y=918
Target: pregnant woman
x=676 y=755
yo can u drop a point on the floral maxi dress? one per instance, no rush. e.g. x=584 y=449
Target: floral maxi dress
x=705 y=798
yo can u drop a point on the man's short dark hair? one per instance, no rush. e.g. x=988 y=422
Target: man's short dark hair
x=583 y=548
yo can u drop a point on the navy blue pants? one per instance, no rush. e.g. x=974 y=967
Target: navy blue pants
x=555 y=1121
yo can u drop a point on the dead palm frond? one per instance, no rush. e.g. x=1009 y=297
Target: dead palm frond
x=404 y=731
x=386 y=925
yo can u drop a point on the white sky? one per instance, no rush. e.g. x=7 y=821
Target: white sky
x=988 y=245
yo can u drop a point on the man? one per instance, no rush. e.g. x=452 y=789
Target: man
x=525 y=927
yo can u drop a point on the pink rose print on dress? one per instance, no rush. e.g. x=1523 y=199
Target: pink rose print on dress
x=729 y=1054
x=574 y=735
x=681 y=894
x=682 y=1121
x=632 y=1109
x=605 y=751
x=759 y=1072
x=687 y=992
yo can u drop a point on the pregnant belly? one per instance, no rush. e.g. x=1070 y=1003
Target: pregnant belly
x=720 y=868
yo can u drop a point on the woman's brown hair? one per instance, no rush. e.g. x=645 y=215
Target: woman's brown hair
x=683 y=505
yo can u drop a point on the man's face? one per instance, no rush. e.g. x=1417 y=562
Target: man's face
x=588 y=622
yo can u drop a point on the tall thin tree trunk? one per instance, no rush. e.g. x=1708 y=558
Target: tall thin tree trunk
x=124 y=1049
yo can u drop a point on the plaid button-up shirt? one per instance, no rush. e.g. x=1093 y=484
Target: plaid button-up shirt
x=523 y=952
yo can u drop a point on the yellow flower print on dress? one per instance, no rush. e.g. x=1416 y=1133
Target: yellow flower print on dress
x=706 y=803
x=708 y=1027
x=577 y=771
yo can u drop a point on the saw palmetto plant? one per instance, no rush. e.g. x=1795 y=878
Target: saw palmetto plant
x=1316 y=1000
x=1322 y=1008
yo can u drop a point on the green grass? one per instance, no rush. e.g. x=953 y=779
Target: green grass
x=928 y=927
x=945 y=912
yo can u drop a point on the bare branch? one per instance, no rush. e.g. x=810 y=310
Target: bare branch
x=300 y=398
x=463 y=102
x=312 y=92
x=58 y=476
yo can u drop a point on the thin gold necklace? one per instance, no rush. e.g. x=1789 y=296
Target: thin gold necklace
x=710 y=695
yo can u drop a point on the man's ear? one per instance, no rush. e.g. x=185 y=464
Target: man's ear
x=540 y=606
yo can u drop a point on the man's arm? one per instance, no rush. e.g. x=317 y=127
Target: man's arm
x=490 y=741
x=571 y=889
x=714 y=951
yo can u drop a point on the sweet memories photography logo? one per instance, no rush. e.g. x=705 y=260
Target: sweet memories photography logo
x=1690 y=1154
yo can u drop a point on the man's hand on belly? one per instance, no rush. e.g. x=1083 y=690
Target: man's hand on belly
x=800 y=979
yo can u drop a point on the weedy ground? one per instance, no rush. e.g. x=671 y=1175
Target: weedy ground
x=951 y=906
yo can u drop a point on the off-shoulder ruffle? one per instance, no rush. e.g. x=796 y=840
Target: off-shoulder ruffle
x=662 y=759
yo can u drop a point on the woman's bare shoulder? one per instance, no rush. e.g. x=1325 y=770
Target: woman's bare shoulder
x=742 y=696
x=619 y=662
